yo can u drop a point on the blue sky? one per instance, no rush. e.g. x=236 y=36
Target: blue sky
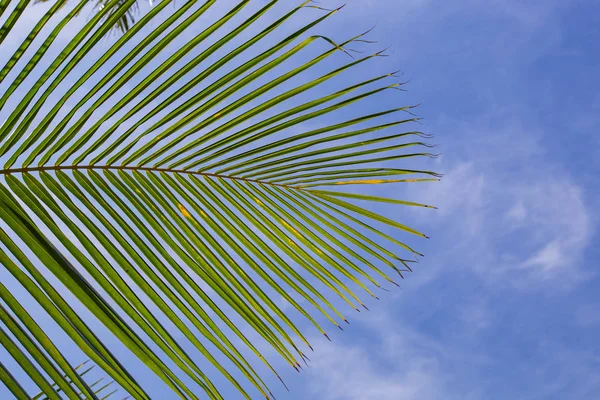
x=505 y=303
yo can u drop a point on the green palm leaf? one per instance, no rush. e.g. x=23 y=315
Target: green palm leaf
x=162 y=188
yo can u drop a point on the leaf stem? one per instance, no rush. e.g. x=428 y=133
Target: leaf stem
x=127 y=168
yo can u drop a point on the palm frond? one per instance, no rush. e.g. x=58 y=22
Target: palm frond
x=172 y=184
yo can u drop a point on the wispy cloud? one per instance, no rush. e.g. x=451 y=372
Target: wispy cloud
x=509 y=208
x=561 y=223
x=398 y=364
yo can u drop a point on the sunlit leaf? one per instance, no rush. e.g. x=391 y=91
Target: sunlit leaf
x=176 y=177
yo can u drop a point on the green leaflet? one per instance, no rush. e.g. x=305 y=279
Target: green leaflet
x=257 y=246
x=299 y=137
x=173 y=280
x=181 y=219
x=282 y=168
x=158 y=280
x=283 y=173
x=80 y=377
x=12 y=384
x=34 y=61
x=313 y=241
x=251 y=136
x=264 y=106
x=129 y=73
x=174 y=78
x=49 y=138
x=188 y=86
x=292 y=203
x=34 y=373
x=322 y=178
x=64 y=315
x=275 y=235
x=44 y=342
x=15 y=217
x=122 y=293
x=12 y=18
x=30 y=38
x=326 y=194
x=85 y=48
x=366 y=213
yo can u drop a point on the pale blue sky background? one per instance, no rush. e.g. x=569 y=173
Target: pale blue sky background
x=505 y=304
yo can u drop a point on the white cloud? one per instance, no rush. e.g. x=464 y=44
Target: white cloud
x=558 y=225
x=517 y=213
x=351 y=373
x=463 y=190
x=504 y=219
x=549 y=257
x=476 y=314
x=564 y=372
x=398 y=364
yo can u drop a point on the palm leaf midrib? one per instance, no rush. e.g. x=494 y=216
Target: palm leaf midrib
x=12 y=171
